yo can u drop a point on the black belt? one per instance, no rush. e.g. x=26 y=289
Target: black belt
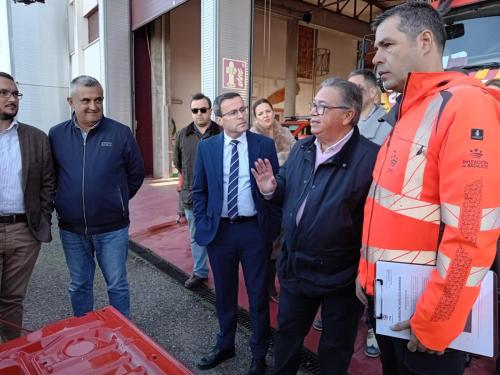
x=12 y=219
x=237 y=219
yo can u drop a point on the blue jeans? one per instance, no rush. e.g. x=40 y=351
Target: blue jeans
x=199 y=253
x=111 y=250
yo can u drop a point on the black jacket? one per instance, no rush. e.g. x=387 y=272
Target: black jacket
x=186 y=144
x=321 y=254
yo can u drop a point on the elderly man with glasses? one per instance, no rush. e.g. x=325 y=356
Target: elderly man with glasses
x=236 y=226
x=186 y=144
x=322 y=190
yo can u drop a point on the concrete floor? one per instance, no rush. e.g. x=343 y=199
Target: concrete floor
x=179 y=320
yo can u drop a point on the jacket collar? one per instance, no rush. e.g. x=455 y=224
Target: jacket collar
x=420 y=85
x=95 y=126
x=213 y=129
x=340 y=159
x=392 y=116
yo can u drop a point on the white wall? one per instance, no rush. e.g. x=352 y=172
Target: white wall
x=185 y=59
x=269 y=62
x=342 y=52
x=4 y=38
x=87 y=5
x=91 y=62
x=40 y=61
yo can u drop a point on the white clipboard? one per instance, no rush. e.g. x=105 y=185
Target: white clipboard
x=398 y=287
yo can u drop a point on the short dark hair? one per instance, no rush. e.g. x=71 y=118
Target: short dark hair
x=83 y=80
x=7 y=75
x=493 y=82
x=367 y=74
x=218 y=101
x=415 y=17
x=350 y=93
x=200 y=96
x=259 y=102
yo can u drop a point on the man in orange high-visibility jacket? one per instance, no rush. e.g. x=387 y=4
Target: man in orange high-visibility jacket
x=434 y=197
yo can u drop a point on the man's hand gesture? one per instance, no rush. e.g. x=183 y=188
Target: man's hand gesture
x=264 y=176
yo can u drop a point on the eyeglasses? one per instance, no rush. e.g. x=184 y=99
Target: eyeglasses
x=7 y=94
x=202 y=110
x=321 y=108
x=235 y=112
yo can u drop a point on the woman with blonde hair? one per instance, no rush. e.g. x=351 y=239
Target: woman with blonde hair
x=266 y=124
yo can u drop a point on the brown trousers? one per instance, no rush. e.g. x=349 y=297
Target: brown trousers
x=18 y=253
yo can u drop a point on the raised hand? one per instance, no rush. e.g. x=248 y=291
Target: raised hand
x=264 y=176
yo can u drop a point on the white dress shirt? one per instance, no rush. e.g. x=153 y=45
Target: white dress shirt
x=11 y=176
x=246 y=205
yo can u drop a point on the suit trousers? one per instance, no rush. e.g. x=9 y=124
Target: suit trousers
x=234 y=243
x=340 y=313
x=398 y=360
x=18 y=254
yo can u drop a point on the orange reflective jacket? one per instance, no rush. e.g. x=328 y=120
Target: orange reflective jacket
x=435 y=197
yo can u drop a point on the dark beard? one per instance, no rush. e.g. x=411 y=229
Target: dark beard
x=5 y=116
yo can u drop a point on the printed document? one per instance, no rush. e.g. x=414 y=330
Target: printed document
x=398 y=287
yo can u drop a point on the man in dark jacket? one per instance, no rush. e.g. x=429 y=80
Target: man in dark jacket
x=322 y=189
x=27 y=186
x=99 y=168
x=184 y=156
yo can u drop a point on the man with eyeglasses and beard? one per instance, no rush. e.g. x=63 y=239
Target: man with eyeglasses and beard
x=236 y=226
x=322 y=189
x=186 y=143
x=27 y=186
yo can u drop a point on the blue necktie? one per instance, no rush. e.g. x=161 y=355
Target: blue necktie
x=232 y=187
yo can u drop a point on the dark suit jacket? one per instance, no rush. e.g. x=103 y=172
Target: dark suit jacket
x=38 y=180
x=208 y=187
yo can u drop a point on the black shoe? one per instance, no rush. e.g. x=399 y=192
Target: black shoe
x=215 y=357
x=258 y=367
x=194 y=281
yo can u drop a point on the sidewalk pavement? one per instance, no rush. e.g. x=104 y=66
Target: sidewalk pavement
x=153 y=226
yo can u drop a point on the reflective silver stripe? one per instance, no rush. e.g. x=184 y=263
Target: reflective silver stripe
x=407 y=206
x=490 y=218
x=447 y=213
x=417 y=159
x=374 y=254
x=475 y=277
x=442 y=265
x=450 y=214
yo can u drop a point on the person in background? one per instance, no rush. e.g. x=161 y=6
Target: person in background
x=99 y=169
x=370 y=124
x=186 y=144
x=266 y=124
x=27 y=187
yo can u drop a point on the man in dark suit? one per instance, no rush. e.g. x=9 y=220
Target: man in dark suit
x=27 y=186
x=322 y=189
x=235 y=225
